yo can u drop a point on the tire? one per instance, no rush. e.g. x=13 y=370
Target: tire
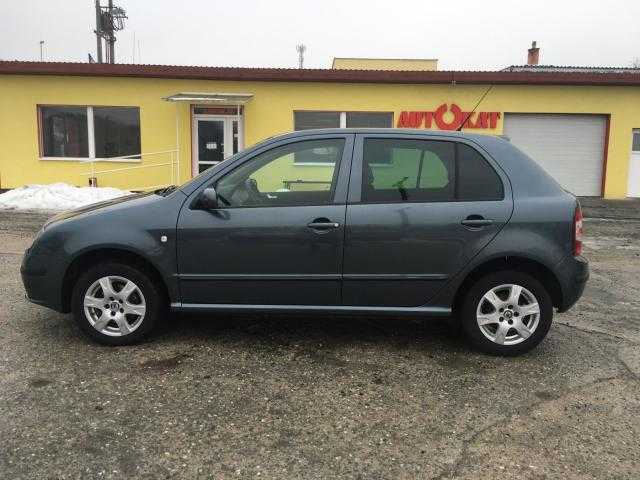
x=97 y=314
x=515 y=329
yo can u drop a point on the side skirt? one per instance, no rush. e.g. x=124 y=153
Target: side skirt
x=327 y=309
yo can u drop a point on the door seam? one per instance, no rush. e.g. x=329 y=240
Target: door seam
x=344 y=230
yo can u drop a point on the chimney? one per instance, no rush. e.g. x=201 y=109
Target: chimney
x=534 y=55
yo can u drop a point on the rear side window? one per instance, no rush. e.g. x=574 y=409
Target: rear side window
x=476 y=179
x=406 y=170
x=396 y=170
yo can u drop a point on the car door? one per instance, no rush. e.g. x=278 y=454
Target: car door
x=419 y=209
x=277 y=235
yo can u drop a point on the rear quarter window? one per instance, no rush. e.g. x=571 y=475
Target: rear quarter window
x=476 y=178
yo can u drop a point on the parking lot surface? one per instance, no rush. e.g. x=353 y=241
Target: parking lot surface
x=302 y=397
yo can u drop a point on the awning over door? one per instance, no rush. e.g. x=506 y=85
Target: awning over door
x=211 y=98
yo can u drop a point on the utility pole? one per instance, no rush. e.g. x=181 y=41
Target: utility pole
x=41 y=50
x=109 y=20
x=301 y=49
x=111 y=40
x=98 y=31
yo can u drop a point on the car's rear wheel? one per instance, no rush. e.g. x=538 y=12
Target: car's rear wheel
x=506 y=313
x=116 y=304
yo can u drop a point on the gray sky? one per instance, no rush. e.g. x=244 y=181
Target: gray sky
x=463 y=34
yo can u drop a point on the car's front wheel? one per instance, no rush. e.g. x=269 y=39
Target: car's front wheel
x=116 y=304
x=506 y=313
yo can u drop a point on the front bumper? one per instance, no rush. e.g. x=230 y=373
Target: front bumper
x=39 y=285
x=573 y=274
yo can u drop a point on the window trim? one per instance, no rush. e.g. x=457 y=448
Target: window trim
x=354 y=195
x=91 y=140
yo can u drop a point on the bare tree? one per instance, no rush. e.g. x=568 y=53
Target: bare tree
x=635 y=63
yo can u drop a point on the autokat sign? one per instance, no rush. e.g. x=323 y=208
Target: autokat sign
x=448 y=117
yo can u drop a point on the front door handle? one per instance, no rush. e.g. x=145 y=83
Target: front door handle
x=323 y=224
x=476 y=221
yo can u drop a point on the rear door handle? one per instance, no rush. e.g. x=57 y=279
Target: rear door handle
x=476 y=221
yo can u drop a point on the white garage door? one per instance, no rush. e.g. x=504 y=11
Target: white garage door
x=569 y=147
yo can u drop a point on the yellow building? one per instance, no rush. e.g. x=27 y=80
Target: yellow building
x=409 y=64
x=140 y=126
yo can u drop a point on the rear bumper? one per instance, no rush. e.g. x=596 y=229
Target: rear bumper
x=573 y=273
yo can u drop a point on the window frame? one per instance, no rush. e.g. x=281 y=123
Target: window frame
x=342 y=115
x=635 y=133
x=341 y=172
x=355 y=184
x=91 y=145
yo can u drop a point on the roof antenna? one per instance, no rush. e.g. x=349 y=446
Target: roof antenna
x=459 y=129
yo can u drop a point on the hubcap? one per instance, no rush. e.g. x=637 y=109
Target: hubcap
x=508 y=314
x=114 y=306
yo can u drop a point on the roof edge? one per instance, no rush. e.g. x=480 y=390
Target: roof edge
x=319 y=75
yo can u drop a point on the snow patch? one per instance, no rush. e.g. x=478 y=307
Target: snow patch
x=56 y=196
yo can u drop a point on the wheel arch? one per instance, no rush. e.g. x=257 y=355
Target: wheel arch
x=520 y=264
x=104 y=254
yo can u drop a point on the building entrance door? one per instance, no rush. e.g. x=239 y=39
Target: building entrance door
x=215 y=138
x=633 y=189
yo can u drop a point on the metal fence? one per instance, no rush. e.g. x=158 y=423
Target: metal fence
x=172 y=166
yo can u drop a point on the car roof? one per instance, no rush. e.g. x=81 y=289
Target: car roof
x=393 y=131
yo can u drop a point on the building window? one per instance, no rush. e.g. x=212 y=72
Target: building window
x=307 y=120
x=64 y=131
x=636 y=141
x=116 y=131
x=369 y=119
x=90 y=132
x=310 y=120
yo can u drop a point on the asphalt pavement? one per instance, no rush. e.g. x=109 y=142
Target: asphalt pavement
x=284 y=397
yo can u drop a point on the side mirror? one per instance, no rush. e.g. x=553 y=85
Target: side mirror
x=208 y=199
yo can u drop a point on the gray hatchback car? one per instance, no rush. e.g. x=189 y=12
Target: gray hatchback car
x=391 y=222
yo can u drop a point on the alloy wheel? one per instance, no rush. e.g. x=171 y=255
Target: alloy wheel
x=508 y=314
x=114 y=306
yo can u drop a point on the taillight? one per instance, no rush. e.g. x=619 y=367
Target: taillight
x=577 y=232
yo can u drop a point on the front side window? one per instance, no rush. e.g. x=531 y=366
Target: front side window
x=273 y=178
x=89 y=132
x=406 y=170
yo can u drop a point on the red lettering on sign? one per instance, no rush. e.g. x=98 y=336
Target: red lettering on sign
x=448 y=118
